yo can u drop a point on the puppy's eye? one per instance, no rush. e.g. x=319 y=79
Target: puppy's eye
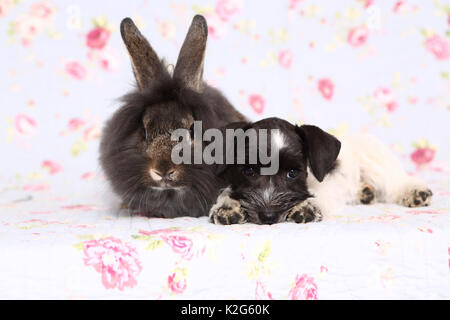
x=248 y=171
x=293 y=173
x=191 y=131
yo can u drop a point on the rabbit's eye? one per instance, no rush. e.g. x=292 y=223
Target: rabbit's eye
x=248 y=171
x=292 y=174
x=191 y=131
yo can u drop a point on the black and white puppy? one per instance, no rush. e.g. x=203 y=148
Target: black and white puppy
x=318 y=174
x=267 y=199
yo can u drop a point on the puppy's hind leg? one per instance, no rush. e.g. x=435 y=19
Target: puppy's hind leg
x=385 y=173
x=415 y=195
x=366 y=193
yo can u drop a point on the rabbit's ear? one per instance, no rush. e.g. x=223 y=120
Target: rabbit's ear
x=145 y=61
x=189 y=67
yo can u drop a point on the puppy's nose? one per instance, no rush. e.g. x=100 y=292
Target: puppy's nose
x=268 y=216
x=158 y=175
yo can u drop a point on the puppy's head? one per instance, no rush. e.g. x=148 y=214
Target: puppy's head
x=267 y=199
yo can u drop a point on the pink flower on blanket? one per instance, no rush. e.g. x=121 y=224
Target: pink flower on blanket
x=187 y=244
x=304 y=288
x=117 y=262
x=261 y=292
x=176 y=283
x=180 y=244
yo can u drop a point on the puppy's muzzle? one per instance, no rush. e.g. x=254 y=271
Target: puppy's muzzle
x=269 y=216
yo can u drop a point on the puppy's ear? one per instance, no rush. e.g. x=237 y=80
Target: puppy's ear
x=322 y=149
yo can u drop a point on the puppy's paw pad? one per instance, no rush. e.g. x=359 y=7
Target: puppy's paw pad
x=367 y=194
x=304 y=212
x=417 y=198
x=230 y=213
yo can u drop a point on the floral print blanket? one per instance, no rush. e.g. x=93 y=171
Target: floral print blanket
x=73 y=246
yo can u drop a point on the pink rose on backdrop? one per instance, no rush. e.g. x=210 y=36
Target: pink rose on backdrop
x=5 y=7
x=368 y=3
x=25 y=125
x=106 y=59
x=97 y=38
x=91 y=133
x=41 y=10
x=117 y=262
x=285 y=58
x=75 y=70
x=225 y=9
x=257 y=103
x=357 y=36
x=326 y=88
x=216 y=27
x=422 y=156
x=176 y=283
x=293 y=4
x=438 y=46
x=51 y=166
x=304 y=288
x=385 y=97
x=75 y=123
x=28 y=27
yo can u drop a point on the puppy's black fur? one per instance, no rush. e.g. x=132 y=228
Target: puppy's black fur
x=268 y=199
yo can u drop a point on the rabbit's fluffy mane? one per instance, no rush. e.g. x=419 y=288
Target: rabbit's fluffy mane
x=125 y=165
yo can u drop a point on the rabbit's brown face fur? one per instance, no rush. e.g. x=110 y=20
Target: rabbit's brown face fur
x=158 y=144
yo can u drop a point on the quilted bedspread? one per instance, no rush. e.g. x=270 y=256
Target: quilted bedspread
x=73 y=244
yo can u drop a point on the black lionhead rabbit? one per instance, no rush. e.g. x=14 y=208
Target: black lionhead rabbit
x=135 y=150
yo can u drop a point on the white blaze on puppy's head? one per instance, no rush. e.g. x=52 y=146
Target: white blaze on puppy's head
x=278 y=140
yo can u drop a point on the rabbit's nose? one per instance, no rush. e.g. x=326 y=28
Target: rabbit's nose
x=160 y=175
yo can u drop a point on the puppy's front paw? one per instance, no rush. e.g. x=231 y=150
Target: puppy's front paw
x=417 y=197
x=228 y=211
x=304 y=212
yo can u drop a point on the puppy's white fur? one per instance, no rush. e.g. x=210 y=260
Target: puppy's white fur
x=362 y=159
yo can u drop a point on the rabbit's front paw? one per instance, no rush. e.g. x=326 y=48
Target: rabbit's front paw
x=227 y=211
x=304 y=212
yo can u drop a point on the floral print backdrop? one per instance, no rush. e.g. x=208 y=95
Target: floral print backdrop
x=378 y=66
x=354 y=65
